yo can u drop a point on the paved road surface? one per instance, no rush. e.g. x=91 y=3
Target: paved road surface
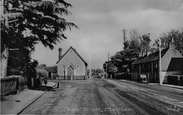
x=98 y=96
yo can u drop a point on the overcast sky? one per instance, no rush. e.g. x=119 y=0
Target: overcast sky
x=101 y=22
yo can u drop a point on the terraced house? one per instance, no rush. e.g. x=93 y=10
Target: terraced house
x=171 y=64
x=71 y=65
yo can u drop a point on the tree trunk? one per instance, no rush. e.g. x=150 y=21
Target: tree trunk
x=4 y=62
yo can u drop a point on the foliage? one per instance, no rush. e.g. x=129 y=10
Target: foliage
x=96 y=71
x=29 y=22
x=42 y=20
x=139 y=46
x=109 y=68
x=134 y=48
x=166 y=38
x=144 y=46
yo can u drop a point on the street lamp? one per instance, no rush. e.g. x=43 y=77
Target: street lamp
x=160 y=78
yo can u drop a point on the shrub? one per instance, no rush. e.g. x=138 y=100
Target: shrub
x=173 y=79
x=181 y=80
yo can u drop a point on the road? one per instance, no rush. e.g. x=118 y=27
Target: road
x=99 y=96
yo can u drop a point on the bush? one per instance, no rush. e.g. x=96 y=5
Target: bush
x=181 y=80
x=173 y=79
x=21 y=83
x=41 y=74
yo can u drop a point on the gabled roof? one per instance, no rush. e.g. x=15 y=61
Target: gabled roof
x=52 y=69
x=151 y=57
x=176 y=64
x=76 y=54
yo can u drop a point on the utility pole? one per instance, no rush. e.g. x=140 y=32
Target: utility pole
x=108 y=56
x=124 y=35
x=107 y=65
x=89 y=66
x=160 y=76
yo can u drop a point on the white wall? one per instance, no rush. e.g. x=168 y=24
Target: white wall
x=71 y=58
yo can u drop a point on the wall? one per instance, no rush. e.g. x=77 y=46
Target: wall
x=12 y=83
x=71 y=58
x=166 y=61
x=8 y=84
x=74 y=78
x=167 y=58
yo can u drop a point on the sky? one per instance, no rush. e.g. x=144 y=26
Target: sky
x=101 y=23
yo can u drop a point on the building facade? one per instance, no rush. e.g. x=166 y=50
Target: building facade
x=171 y=64
x=52 y=72
x=71 y=65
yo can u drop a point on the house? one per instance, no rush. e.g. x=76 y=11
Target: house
x=71 y=65
x=171 y=63
x=52 y=72
x=49 y=72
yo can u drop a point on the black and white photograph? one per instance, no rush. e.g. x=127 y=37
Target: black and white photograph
x=91 y=57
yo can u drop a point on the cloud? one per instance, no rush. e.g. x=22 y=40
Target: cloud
x=149 y=20
x=101 y=22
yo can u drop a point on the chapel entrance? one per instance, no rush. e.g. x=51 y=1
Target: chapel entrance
x=70 y=73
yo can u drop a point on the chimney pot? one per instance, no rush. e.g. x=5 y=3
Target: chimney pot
x=59 y=53
x=172 y=44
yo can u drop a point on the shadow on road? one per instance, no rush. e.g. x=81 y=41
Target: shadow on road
x=45 y=88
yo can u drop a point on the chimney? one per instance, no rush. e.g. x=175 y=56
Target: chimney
x=59 y=53
x=172 y=44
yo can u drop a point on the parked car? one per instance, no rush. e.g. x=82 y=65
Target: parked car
x=142 y=79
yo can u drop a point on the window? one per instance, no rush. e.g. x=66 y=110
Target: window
x=155 y=64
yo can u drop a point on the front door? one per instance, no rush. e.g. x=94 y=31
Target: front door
x=70 y=72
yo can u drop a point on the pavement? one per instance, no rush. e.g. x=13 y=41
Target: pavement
x=164 y=85
x=15 y=104
x=168 y=85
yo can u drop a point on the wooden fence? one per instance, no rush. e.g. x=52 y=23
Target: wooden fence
x=8 y=85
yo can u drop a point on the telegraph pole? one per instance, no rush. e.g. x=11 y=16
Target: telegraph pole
x=108 y=56
x=124 y=35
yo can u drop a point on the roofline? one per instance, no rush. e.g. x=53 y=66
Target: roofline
x=166 y=49
x=75 y=52
x=46 y=68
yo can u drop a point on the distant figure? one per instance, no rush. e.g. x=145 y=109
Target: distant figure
x=45 y=80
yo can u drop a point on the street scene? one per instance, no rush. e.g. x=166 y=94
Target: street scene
x=101 y=96
x=98 y=57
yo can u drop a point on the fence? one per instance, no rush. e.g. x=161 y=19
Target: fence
x=12 y=84
x=8 y=85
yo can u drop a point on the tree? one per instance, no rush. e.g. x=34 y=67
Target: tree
x=29 y=22
x=42 y=19
x=176 y=35
x=145 y=44
x=134 y=48
x=109 y=68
